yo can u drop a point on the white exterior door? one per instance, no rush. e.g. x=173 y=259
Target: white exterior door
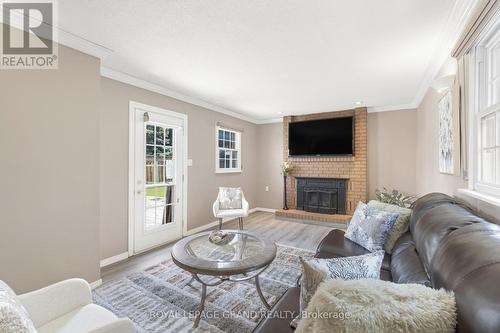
x=156 y=182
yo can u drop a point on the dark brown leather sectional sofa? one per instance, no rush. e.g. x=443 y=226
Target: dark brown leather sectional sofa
x=447 y=246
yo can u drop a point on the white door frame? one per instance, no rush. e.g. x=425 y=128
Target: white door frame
x=131 y=167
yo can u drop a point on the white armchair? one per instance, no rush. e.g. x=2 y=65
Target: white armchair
x=66 y=307
x=230 y=204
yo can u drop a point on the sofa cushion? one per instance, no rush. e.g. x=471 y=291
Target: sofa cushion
x=433 y=227
x=82 y=320
x=369 y=227
x=468 y=262
x=286 y=308
x=406 y=266
x=401 y=225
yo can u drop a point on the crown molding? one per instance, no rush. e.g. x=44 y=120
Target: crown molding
x=83 y=45
x=400 y=107
x=140 y=83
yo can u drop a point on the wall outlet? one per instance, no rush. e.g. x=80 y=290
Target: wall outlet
x=267 y=188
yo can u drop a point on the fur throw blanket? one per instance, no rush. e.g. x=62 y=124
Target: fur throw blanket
x=375 y=306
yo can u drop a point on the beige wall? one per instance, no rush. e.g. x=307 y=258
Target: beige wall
x=270 y=158
x=392 y=151
x=49 y=143
x=428 y=177
x=203 y=182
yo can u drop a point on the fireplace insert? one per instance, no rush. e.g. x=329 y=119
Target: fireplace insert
x=321 y=195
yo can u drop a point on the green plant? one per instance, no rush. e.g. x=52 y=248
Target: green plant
x=394 y=197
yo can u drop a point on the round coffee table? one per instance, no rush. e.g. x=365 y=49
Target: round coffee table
x=244 y=254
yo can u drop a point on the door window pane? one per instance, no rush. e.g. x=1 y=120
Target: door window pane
x=155 y=196
x=150 y=218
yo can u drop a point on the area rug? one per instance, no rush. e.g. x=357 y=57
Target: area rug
x=161 y=299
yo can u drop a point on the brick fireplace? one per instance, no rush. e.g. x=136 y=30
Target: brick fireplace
x=350 y=170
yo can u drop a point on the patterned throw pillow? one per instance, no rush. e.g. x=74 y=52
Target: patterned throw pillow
x=230 y=198
x=369 y=227
x=346 y=268
x=401 y=225
x=13 y=315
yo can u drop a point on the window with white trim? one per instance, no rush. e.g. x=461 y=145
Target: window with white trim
x=487 y=112
x=228 y=152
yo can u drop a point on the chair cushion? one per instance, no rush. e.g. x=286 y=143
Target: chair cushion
x=13 y=315
x=232 y=213
x=230 y=198
x=83 y=319
x=369 y=227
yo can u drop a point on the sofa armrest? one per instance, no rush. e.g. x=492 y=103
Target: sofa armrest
x=46 y=304
x=121 y=325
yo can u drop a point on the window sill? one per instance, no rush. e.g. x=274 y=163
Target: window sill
x=490 y=199
x=227 y=171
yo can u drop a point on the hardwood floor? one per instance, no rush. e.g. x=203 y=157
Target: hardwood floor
x=291 y=233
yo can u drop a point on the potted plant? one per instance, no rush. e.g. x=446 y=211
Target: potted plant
x=285 y=170
x=394 y=197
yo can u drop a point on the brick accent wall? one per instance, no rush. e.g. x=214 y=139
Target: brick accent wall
x=353 y=168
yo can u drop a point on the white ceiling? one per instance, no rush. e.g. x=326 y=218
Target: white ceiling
x=261 y=58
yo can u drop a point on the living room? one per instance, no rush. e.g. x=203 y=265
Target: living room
x=202 y=166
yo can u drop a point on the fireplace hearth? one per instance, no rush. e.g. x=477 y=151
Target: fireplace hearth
x=321 y=195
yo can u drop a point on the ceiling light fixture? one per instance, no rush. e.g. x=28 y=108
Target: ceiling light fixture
x=359 y=103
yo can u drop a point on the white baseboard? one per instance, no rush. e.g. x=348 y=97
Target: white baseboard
x=216 y=223
x=114 y=259
x=262 y=209
x=95 y=284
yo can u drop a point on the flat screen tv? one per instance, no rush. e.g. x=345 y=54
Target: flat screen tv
x=321 y=137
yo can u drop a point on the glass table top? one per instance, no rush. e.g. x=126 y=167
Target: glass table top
x=237 y=247
x=243 y=251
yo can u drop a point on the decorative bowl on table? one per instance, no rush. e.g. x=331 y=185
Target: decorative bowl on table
x=220 y=237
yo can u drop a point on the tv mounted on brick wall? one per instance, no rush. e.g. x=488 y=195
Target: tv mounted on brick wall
x=333 y=136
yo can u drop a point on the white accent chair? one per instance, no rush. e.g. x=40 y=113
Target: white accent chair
x=230 y=204
x=66 y=307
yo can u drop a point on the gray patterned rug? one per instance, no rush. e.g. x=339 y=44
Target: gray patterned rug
x=160 y=299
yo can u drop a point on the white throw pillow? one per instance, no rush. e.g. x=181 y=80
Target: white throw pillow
x=369 y=227
x=318 y=270
x=401 y=225
x=376 y=306
x=230 y=198
x=13 y=316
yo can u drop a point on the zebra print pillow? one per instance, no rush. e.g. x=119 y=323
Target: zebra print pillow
x=346 y=268
x=369 y=227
